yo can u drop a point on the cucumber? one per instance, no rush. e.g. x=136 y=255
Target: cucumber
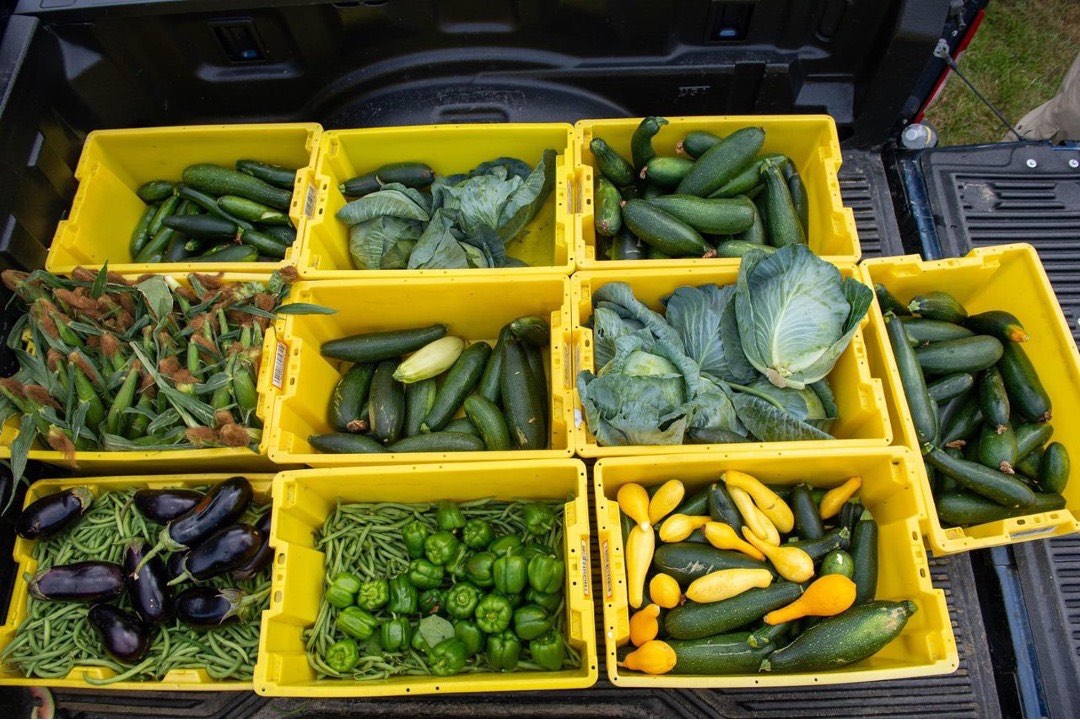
x=799 y=198
x=141 y=234
x=165 y=211
x=155 y=191
x=349 y=398
x=1030 y=436
x=946 y=388
x=722 y=508
x=460 y=380
x=851 y=636
x=487 y=418
x=217 y=181
x=769 y=634
x=410 y=174
x=284 y=235
x=203 y=227
x=662 y=231
x=693 y=620
x=524 y=412
x=922 y=408
x=345 y=443
x=378 y=346
x=697 y=142
x=993 y=399
x=739 y=248
x=694 y=505
x=718 y=655
x=252 y=211
x=607 y=210
x=1028 y=465
x=461 y=425
x=937 y=305
x=1054 y=468
x=961 y=423
x=419 y=397
x=231 y=253
x=838 y=562
x=265 y=244
x=532 y=330
x=687 y=562
x=889 y=303
x=1002 y=325
x=209 y=204
x=807 y=519
x=782 y=223
x=864 y=558
x=755 y=234
x=666 y=172
x=641 y=148
x=997 y=486
x=839 y=538
x=387 y=403
x=924 y=330
x=275 y=175
x=627 y=246
x=438 y=442
x=359 y=186
x=489 y=381
x=715 y=217
x=722 y=162
x=612 y=164
x=997 y=448
x=964 y=355
x=1028 y=397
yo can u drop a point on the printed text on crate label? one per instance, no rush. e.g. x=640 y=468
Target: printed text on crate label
x=281 y=354
x=605 y=569
x=586 y=567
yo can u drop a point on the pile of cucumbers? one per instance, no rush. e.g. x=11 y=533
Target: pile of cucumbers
x=216 y=214
x=981 y=414
x=720 y=197
x=386 y=404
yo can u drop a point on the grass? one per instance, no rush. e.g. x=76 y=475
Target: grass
x=1017 y=59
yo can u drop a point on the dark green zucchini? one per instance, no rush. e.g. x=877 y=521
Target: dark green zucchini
x=937 y=305
x=1028 y=397
x=461 y=379
x=964 y=355
x=1003 y=489
x=922 y=407
x=350 y=397
x=946 y=388
x=387 y=403
x=694 y=620
x=807 y=519
x=687 y=562
x=924 y=330
x=993 y=399
x=378 y=346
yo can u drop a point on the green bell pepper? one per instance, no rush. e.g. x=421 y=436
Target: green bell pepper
x=404 y=599
x=539 y=519
x=533 y=549
x=456 y=567
x=503 y=650
x=419 y=644
x=479 y=568
x=548 y=601
x=432 y=602
x=358 y=623
x=425 y=575
x=546 y=573
x=506 y=545
x=461 y=600
x=395 y=635
x=448 y=657
x=449 y=516
x=414 y=534
x=531 y=621
x=478 y=534
x=441 y=547
x=494 y=613
x=510 y=573
x=516 y=599
x=470 y=635
x=548 y=650
x=343 y=655
x=373 y=595
x=341 y=592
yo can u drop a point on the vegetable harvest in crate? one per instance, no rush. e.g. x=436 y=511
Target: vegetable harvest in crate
x=979 y=409
x=104 y=597
x=404 y=216
x=723 y=364
x=744 y=577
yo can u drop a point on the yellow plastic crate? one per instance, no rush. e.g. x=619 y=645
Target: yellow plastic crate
x=303 y=498
x=23 y=553
x=546 y=244
x=163 y=461
x=1007 y=277
x=925 y=647
x=860 y=399
x=809 y=140
x=475 y=308
x=114 y=163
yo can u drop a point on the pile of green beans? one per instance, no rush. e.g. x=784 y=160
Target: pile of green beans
x=55 y=637
x=365 y=539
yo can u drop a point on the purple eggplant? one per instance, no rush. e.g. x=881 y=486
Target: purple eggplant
x=53 y=514
x=89 y=581
x=124 y=636
x=161 y=506
x=148 y=591
x=264 y=555
x=174 y=566
x=225 y=550
x=205 y=608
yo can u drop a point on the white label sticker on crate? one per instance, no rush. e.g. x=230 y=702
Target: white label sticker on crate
x=309 y=202
x=281 y=354
x=605 y=569
x=586 y=568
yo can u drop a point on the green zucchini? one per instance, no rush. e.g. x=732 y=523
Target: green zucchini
x=963 y=508
x=627 y=246
x=410 y=174
x=997 y=448
x=739 y=248
x=488 y=419
x=275 y=175
x=799 y=198
x=922 y=408
x=838 y=538
x=697 y=142
x=1002 y=325
x=489 y=381
x=1029 y=464
x=889 y=302
x=1030 y=436
x=687 y=562
x=849 y=637
x=923 y=330
x=180 y=249
x=755 y=234
x=461 y=379
x=387 y=403
x=722 y=508
x=607 y=208
x=349 y=398
x=217 y=181
x=655 y=254
x=946 y=388
x=807 y=519
x=993 y=399
x=203 y=227
x=958 y=426
x=721 y=162
x=284 y=235
x=534 y=358
x=1054 y=468
x=524 y=411
x=252 y=211
x=715 y=217
x=532 y=330
x=718 y=655
x=155 y=191
x=662 y=230
x=937 y=305
x=438 y=442
x=265 y=244
x=419 y=398
x=666 y=172
x=141 y=234
x=378 y=346
x=864 y=558
x=993 y=484
x=231 y=253
x=165 y=211
x=746 y=181
x=209 y=204
x=651 y=190
x=838 y=562
x=694 y=620
x=345 y=443
x=613 y=165
x=1028 y=397
x=461 y=425
x=641 y=147
x=964 y=355
x=359 y=186
x=767 y=634
x=782 y=225
x=695 y=505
